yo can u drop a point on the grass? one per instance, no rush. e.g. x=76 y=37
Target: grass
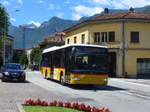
x=48 y=109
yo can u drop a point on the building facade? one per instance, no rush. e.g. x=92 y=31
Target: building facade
x=9 y=42
x=57 y=39
x=127 y=36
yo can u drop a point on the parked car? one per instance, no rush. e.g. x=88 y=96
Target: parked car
x=35 y=67
x=13 y=71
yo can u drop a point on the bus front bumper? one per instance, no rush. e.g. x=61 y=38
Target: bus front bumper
x=89 y=79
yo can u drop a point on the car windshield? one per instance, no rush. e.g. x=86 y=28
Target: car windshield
x=12 y=66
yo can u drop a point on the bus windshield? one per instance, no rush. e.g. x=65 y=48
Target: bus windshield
x=95 y=63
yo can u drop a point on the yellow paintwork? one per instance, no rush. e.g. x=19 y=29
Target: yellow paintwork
x=43 y=71
x=89 y=31
x=84 y=78
x=130 y=55
x=57 y=73
x=144 y=34
x=89 y=79
x=131 y=59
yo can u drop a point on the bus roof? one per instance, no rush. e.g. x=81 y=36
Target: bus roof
x=70 y=45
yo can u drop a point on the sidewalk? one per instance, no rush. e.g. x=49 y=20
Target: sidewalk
x=13 y=93
x=139 y=81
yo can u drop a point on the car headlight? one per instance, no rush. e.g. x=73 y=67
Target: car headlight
x=75 y=78
x=6 y=73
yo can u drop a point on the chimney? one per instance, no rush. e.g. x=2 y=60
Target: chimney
x=106 y=11
x=131 y=9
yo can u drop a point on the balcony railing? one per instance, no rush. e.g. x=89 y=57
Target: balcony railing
x=115 y=44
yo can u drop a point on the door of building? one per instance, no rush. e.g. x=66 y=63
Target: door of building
x=112 y=64
x=143 y=68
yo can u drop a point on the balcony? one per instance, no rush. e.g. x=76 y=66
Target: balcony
x=115 y=44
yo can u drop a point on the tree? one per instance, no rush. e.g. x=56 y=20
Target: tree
x=4 y=23
x=36 y=56
x=23 y=60
x=1 y=57
x=3 y=29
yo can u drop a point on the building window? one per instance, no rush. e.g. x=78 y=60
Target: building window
x=134 y=37
x=75 y=40
x=104 y=36
x=143 y=66
x=68 y=40
x=97 y=37
x=83 y=38
x=111 y=36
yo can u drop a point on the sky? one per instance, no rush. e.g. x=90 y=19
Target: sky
x=37 y=11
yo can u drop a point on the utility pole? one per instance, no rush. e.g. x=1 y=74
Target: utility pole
x=123 y=48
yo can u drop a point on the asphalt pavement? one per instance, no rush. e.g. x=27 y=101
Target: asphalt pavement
x=12 y=93
x=120 y=95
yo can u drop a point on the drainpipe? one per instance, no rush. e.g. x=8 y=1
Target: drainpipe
x=88 y=36
x=123 y=48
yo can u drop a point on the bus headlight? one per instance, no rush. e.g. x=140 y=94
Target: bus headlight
x=75 y=78
x=105 y=79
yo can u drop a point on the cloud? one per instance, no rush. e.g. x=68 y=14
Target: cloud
x=20 y=1
x=133 y=3
x=119 y=4
x=99 y=2
x=60 y=14
x=5 y=3
x=51 y=6
x=13 y=19
x=76 y=16
x=67 y=2
x=41 y=1
x=81 y=10
x=35 y=23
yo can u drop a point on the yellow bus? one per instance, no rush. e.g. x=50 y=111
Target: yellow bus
x=76 y=64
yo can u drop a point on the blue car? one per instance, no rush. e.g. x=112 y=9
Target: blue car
x=13 y=71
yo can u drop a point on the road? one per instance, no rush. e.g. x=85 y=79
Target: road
x=12 y=93
x=120 y=95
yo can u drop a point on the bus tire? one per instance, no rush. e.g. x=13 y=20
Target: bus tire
x=45 y=76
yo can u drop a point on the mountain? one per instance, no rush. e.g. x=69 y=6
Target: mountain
x=36 y=34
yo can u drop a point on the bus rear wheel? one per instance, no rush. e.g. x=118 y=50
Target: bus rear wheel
x=45 y=76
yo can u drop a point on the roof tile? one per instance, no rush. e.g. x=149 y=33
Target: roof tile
x=121 y=15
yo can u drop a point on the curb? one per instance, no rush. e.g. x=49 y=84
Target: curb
x=20 y=108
